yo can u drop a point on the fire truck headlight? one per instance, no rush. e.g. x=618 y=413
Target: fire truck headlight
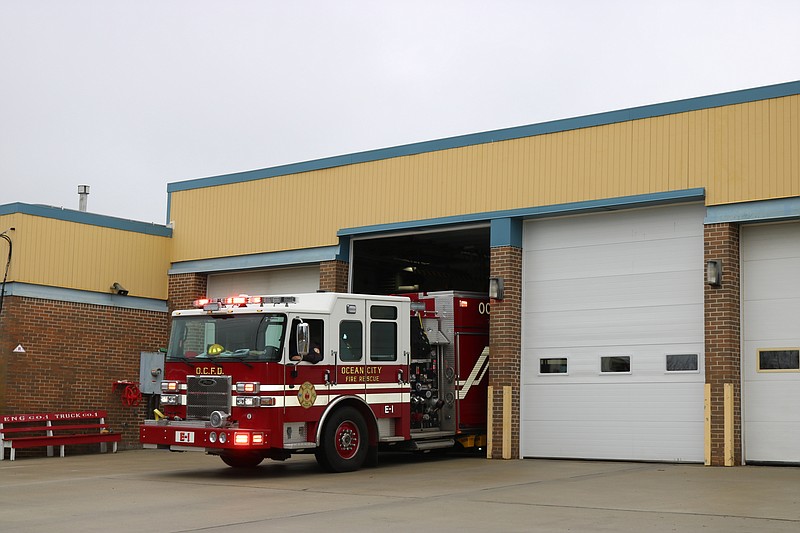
x=248 y=401
x=212 y=437
x=170 y=386
x=170 y=399
x=248 y=387
x=218 y=419
x=223 y=438
x=241 y=439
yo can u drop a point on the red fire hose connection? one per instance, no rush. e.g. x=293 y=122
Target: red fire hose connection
x=131 y=395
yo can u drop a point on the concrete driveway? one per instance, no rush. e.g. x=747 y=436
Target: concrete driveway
x=147 y=490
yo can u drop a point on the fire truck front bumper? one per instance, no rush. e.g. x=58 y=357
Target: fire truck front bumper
x=185 y=436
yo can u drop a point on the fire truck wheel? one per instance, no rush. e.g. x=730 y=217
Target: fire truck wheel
x=242 y=460
x=345 y=441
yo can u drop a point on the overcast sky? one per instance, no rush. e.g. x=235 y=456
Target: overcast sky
x=127 y=96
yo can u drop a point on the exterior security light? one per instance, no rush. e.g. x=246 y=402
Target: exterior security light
x=119 y=289
x=496 y=289
x=714 y=273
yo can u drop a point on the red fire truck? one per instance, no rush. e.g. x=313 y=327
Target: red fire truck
x=338 y=375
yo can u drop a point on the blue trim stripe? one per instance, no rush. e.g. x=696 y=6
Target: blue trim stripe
x=254 y=261
x=759 y=211
x=81 y=217
x=590 y=206
x=586 y=121
x=60 y=294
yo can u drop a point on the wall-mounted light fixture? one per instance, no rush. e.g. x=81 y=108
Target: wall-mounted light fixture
x=116 y=288
x=714 y=272
x=496 y=289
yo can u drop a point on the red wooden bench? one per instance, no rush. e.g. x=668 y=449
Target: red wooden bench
x=55 y=429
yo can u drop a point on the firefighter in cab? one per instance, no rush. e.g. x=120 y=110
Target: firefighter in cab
x=314 y=354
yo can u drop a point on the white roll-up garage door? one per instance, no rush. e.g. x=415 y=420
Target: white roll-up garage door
x=771 y=342
x=612 y=364
x=275 y=281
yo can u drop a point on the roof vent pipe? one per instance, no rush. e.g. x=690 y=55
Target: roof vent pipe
x=83 y=196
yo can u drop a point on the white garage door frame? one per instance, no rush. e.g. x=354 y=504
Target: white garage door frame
x=770 y=263
x=627 y=284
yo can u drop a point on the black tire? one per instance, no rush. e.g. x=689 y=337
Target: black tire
x=372 y=457
x=345 y=441
x=241 y=460
x=322 y=459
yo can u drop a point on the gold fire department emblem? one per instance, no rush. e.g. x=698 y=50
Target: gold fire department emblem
x=307 y=395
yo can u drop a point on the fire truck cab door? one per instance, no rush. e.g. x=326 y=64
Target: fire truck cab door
x=348 y=325
x=310 y=376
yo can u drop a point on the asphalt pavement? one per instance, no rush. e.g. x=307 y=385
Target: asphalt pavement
x=158 y=491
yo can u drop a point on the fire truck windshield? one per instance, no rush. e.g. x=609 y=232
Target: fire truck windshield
x=238 y=337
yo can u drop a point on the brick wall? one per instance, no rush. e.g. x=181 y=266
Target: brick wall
x=74 y=353
x=505 y=327
x=333 y=276
x=722 y=336
x=184 y=289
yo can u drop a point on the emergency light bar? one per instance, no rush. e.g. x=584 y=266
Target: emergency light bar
x=215 y=304
x=280 y=300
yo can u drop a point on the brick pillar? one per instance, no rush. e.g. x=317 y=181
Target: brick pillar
x=505 y=325
x=333 y=276
x=722 y=338
x=10 y=335
x=184 y=289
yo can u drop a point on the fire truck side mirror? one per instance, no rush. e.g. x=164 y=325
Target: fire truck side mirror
x=303 y=337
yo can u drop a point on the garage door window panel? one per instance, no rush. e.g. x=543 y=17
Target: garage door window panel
x=615 y=364
x=683 y=362
x=779 y=360
x=553 y=365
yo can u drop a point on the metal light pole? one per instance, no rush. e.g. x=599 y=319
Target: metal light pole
x=5 y=237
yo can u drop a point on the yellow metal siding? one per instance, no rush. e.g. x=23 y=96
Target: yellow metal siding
x=69 y=255
x=6 y=222
x=737 y=153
